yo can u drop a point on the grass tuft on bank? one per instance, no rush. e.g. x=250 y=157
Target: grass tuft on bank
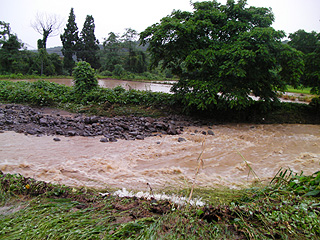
x=287 y=208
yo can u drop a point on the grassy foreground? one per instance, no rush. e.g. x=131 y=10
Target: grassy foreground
x=287 y=208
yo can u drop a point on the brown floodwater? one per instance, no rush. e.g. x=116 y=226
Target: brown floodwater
x=163 y=161
x=112 y=83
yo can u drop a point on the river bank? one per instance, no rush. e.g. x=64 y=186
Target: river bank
x=79 y=150
x=70 y=172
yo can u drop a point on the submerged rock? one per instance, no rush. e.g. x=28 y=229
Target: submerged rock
x=210 y=132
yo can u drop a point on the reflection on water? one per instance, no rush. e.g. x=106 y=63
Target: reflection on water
x=163 y=161
x=112 y=83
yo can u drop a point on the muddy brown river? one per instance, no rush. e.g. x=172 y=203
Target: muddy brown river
x=164 y=162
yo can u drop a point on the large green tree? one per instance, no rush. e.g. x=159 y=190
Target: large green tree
x=5 y=32
x=223 y=54
x=89 y=45
x=70 y=39
x=309 y=44
x=304 y=41
x=12 y=59
x=10 y=55
x=136 y=59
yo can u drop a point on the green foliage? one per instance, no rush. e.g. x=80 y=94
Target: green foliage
x=118 y=70
x=105 y=73
x=40 y=93
x=315 y=104
x=312 y=73
x=300 y=184
x=308 y=44
x=14 y=60
x=84 y=78
x=280 y=210
x=69 y=40
x=110 y=55
x=45 y=93
x=88 y=45
x=304 y=41
x=222 y=54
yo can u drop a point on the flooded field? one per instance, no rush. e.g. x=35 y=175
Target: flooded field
x=163 y=161
x=112 y=83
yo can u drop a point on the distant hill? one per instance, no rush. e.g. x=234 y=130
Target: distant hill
x=56 y=50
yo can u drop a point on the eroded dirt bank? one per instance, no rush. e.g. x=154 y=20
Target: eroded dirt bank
x=162 y=160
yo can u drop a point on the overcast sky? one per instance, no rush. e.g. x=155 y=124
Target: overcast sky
x=116 y=15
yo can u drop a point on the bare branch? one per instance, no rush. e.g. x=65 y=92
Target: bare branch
x=47 y=25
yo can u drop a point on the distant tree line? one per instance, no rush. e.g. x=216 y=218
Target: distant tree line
x=117 y=55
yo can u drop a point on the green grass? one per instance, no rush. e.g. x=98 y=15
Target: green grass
x=287 y=208
x=302 y=90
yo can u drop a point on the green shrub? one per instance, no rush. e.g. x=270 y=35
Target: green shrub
x=84 y=78
x=106 y=73
x=118 y=70
x=315 y=104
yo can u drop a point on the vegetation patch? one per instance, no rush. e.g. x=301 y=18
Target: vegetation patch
x=286 y=208
x=118 y=101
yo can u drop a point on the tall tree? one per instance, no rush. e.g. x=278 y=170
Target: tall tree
x=11 y=60
x=10 y=55
x=223 y=53
x=5 y=32
x=46 y=25
x=309 y=44
x=70 y=39
x=111 y=52
x=304 y=41
x=89 y=45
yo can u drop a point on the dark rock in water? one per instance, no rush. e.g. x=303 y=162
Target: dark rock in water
x=113 y=139
x=124 y=126
x=180 y=139
x=32 y=131
x=172 y=130
x=43 y=121
x=134 y=133
x=57 y=139
x=104 y=140
x=72 y=133
x=210 y=132
x=140 y=137
x=160 y=125
x=158 y=142
x=58 y=131
x=204 y=132
x=118 y=128
x=151 y=129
